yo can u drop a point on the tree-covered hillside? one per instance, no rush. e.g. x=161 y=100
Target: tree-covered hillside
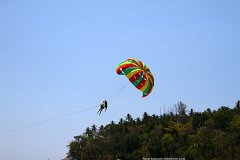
x=190 y=135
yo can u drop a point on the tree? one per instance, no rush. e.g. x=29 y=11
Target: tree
x=181 y=108
x=129 y=118
x=94 y=130
x=145 y=117
x=237 y=107
x=223 y=117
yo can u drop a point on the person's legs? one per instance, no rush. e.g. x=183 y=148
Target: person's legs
x=100 y=112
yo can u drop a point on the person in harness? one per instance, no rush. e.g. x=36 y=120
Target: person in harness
x=102 y=107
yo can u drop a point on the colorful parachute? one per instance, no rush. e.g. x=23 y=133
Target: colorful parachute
x=137 y=73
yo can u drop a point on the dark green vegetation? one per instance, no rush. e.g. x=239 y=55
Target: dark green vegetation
x=192 y=135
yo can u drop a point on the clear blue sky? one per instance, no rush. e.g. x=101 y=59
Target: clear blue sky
x=57 y=57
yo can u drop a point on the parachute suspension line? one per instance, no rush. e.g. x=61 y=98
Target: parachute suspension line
x=126 y=101
x=119 y=91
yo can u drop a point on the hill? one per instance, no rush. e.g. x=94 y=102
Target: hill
x=193 y=135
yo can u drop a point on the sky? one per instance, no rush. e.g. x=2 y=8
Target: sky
x=59 y=57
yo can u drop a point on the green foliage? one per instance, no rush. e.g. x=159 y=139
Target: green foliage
x=195 y=136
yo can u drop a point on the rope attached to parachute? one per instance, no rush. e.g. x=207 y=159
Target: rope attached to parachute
x=55 y=118
x=47 y=120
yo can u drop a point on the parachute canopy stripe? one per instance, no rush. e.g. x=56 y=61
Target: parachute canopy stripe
x=143 y=82
x=139 y=80
x=144 y=86
x=150 y=88
x=138 y=74
x=128 y=70
x=125 y=66
x=135 y=76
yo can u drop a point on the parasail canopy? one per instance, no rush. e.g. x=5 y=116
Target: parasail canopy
x=138 y=74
